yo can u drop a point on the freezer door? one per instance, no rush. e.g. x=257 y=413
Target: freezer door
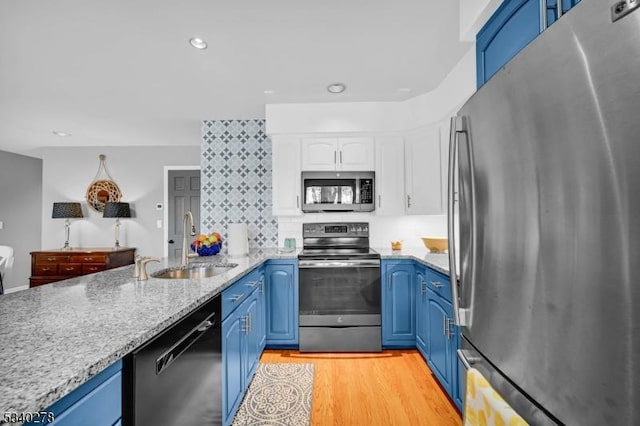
x=549 y=158
x=521 y=403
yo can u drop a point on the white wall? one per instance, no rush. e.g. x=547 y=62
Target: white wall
x=139 y=173
x=473 y=15
x=20 y=207
x=432 y=108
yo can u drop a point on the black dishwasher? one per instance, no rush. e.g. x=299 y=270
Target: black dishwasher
x=175 y=378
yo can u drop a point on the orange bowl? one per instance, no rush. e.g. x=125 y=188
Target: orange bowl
x=436 y=244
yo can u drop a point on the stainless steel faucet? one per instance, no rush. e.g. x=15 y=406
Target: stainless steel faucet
x=184 y=259
x=140 y=272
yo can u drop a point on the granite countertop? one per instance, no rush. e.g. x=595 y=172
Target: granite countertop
x=437 y=261
x=57 y=336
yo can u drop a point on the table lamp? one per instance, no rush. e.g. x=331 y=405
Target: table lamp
x=66 y=211
x=117 y=210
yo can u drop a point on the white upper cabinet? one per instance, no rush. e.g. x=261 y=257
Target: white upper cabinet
x=286 y=175
x=390 y=176
x=423 y=172
x=343 y=153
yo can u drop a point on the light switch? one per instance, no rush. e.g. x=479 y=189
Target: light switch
x=159 y=223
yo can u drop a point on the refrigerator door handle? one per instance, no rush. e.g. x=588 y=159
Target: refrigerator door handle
x=459 y=315
x=465 y=357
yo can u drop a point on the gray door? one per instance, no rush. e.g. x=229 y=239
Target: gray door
x=184 y=195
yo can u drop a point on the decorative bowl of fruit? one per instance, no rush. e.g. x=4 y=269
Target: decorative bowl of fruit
x=207 y=245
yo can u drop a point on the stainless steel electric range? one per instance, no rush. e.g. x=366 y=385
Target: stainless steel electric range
x=340 y=306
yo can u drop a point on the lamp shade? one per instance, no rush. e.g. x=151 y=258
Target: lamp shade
x=66 y=211
x=116 y=210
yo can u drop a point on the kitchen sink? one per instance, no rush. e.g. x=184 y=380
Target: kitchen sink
x=194 y=271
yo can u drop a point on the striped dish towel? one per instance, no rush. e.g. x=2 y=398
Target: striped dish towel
x=484 y=407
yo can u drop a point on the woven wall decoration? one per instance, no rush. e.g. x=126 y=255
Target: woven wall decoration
x=103 y=189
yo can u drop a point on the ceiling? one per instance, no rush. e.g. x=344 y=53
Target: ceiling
x=122 y=73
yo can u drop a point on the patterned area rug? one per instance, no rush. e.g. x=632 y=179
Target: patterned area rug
x=279 y=394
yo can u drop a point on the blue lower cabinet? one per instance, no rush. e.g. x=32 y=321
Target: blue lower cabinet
x=460 y=386
x=398 y=304
x=96 y=402
x=233 y=353
x=281 y=283
x=240 y=354
x=422 y=329
x=440 y=358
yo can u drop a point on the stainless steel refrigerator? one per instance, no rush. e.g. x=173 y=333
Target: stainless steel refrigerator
x=548 y=160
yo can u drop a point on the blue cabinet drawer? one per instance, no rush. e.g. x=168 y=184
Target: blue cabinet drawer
x=439 y=283
x=233 y=296
x=96 y=402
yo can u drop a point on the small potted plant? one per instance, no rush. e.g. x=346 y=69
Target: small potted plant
x=207 y=245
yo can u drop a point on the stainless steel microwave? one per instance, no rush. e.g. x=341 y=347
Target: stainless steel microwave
x=338 y=191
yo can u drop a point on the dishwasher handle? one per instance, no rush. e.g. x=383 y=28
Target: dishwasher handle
x=172 y=354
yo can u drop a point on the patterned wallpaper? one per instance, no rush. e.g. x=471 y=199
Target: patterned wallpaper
x=236 y=179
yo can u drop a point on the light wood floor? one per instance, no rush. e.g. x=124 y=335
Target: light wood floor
x=391 y=388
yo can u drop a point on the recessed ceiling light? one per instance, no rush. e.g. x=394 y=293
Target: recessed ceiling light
x=61 y=134
x=269 y=92
x=336 y=87
x=198 y=43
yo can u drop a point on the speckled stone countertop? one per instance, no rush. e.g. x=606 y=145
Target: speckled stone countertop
x=437 y=261
x=57 y=336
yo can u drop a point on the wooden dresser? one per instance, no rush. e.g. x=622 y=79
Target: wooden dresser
x=55 y=265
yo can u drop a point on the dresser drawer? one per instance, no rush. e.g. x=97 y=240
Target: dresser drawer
x=47 y=259
x=40 y=269
x=89 y=258
x=90 y=268
x=70 y=268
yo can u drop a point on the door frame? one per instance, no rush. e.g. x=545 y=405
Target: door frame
x=165 y=208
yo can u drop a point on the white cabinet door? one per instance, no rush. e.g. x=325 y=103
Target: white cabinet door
x=356 y=153
x=390 y=176
x=286 y=175
x=423 y=177
x=319 y=154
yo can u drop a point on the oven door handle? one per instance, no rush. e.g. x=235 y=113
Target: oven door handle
x=355 y=263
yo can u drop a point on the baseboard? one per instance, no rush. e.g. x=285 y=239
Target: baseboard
x=14 y=289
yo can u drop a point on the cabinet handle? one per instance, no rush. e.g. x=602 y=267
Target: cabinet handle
x=448 y=332
x=70 y=268
x=51 y=259
x=423 y=287
x=251 y=284
x=437 y=284
x=236 y=297
x=408 y=201
x=559 y=6
x=444 y=325
x=389 y=283
x=297 y=201
x=335 y=153
x=261 y=288
x=88 y=258
x=46 y=269
x=379 y=201
x=340 y=157
x=249 y=317
x=93 y=268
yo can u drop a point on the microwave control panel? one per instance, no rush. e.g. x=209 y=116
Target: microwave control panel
x=366 y=191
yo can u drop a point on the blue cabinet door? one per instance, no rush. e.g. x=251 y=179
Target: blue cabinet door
x=250 y=311
x=232 y=359
x=96 y=402
x=261 y=322
x=460 y=384
x=398 y=304
x=440 y=348
x=282 y=303
x=421 y=311
x=552 y=9
x=514 y=24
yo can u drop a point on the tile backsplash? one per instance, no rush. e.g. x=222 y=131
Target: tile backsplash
x=236 y=179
